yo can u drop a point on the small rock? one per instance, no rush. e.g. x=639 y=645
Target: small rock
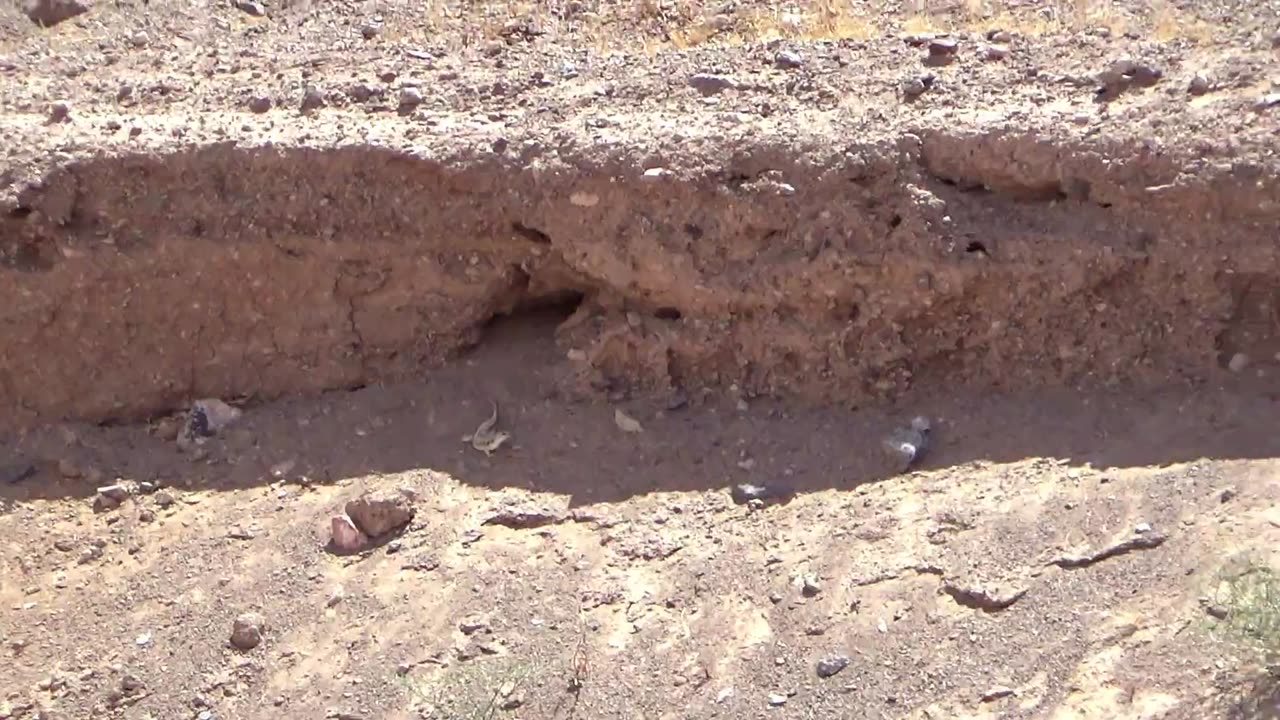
x=625 y=422
x=777 y=700
x=146 y=515
x=655 y=174
x=89 y=554
x=1199 y=85
x=809 y=586
x=1142 y=528
x=48 y=13
x=312 y=99
x=163 y=499
x=345 y=536
x=59 y=112
x=996 y=693
x=943 y=48
x=1238 y=363
x=118 y=492
x=916 y=85
x=369 y=31
x=250 y=7
x=788 y=60
x=63 y=545
x=103 y=503
x=140 y=39
x=513 y=700
x=131 y=683
x=1228 y=495
x=1267 y=101
x=246 y=631
x=378 y=513
x=997 y=52
x=999 y=36
x=335 y=597
x=410 y=97
x=473 y=624
x=832 y=665
x=525 y=518
x=711 y=84
x=260 y=104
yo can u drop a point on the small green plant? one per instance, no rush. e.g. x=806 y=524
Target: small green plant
x=1247 y=602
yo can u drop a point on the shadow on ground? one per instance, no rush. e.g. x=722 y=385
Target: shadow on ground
x=560 y=445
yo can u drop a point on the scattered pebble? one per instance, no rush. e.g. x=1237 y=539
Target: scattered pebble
x=246 y=631
x=1199 y=85
x=1238 y=363
x=140 y=39
x=655 y=174
x=832 y=665
x=369 y=31
x=777 y=700
x=1142 y=528
x=1228 y=495
x=163 y=499
x=997 y=52
x=260 y=104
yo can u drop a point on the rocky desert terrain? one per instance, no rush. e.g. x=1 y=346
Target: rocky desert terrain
x=551 y=360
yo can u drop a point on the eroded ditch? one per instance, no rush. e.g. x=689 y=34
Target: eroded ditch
x=134 y=283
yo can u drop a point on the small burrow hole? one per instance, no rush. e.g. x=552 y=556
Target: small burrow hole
x=976 y=246
x=531 y=234
x=667 y=313
x=21 y=212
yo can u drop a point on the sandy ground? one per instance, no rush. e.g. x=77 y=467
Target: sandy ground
x=768 y=236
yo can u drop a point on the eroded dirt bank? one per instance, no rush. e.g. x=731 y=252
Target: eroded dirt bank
x=135 y=280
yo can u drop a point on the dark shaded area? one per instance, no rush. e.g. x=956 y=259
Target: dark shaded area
x=567 y=443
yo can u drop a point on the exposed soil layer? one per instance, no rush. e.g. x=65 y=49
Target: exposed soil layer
x=1048 y=226
x=136 y=282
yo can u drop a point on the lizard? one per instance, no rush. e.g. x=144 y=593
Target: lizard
x=485 y=439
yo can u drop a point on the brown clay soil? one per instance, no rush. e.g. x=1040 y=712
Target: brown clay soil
x=768 y=233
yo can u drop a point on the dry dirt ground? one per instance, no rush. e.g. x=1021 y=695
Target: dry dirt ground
x=768 y=233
